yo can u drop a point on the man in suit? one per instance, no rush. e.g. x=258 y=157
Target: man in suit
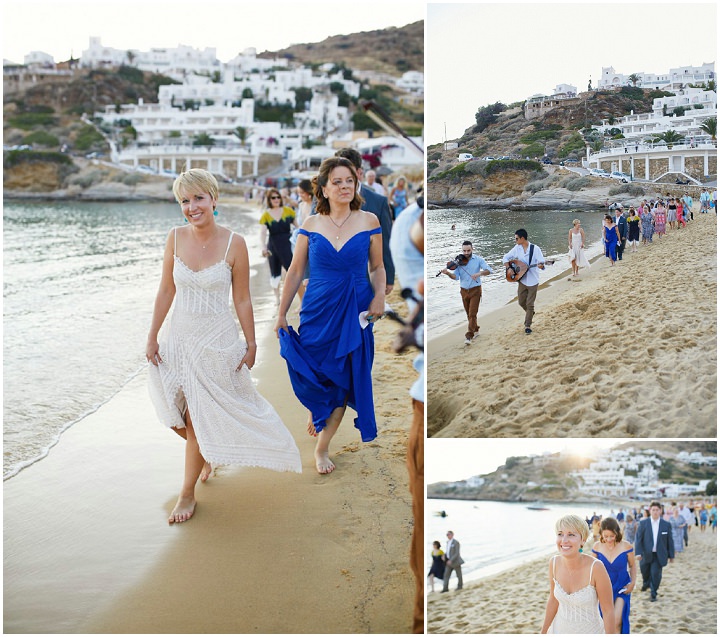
x=622 y=224
x=377 y=204
x=654 y=547
x=453 y=562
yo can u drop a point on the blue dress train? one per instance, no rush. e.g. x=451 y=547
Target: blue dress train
x=619 y=578
x=330 y=357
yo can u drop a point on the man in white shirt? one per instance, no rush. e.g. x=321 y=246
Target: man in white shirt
x=655 y=548
x=689 y=518
x=453 y=562
x=371 y=180
x=529 y=282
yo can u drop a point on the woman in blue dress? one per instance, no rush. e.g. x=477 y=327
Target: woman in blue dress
x=618 y=556
x=678 y=524
x=330 y=357
x=611 y=238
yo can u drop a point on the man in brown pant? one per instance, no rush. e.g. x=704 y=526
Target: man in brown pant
x=532 y=256
x=469 y=274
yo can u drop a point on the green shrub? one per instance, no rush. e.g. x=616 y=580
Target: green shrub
x=635 y=190
x=432 y=165
x=619 y=189
x=538 y=135
x=436 y=156
x=17 y=157
x=575 y=143
x=514 y=164
x=41 y=138
x=28 y=121
x=87 y=179
x=534 y=150
x=88 y=137
x=578 y=183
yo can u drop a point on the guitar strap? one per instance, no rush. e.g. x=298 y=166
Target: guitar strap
x=532 y=247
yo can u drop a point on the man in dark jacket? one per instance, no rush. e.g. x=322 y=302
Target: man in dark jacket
x=654 y=547
x=378 y=205
x=622 y=224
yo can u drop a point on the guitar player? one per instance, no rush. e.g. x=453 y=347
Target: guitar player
x=528 y=284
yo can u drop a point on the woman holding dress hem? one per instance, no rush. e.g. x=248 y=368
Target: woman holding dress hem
x=578 y=583
x=618 y=556
x=330 y=358
x=199 y=374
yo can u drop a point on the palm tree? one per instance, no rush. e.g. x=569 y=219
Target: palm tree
x=670 y=137
x=710 y=127
x=634 y=78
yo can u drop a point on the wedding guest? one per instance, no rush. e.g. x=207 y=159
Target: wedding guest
x=618 y=557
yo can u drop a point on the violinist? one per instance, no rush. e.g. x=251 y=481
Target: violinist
x=468 y=268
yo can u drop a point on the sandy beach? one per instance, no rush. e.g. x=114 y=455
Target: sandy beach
x=620 y=351
x=514 y=602
x=87 y=548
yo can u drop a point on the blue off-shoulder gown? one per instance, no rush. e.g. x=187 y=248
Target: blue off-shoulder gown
x=330 y=357
x=619 y=578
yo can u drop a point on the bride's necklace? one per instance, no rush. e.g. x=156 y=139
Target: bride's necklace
x=207 y=243
x=339 y=225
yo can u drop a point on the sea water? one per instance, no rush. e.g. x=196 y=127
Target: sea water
x=492 y=234
x=497 y=536
x=79 y=285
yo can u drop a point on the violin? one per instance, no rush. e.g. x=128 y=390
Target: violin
x=458 y=261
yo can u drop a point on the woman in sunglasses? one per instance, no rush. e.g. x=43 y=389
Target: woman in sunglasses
x=277 y=223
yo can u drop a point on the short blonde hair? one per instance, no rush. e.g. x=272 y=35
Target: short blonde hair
x=195 y=180
x=576 y=222
x=573 y=523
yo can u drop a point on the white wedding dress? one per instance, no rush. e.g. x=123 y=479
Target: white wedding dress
x=578 y=612
x=200 y=350
x=578 y=253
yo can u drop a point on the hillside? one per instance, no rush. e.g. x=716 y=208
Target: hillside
x=393 y=50
x=560 y=135
x=521 y=479
x=47 y=115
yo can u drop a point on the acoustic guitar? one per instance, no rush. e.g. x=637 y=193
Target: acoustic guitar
x=516 y=269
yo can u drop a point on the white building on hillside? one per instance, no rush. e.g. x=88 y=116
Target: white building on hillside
x=675 y=79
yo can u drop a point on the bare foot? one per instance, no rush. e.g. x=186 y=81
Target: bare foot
x=183 y=511
x=206 y=472
x=323 y=463
x=311 y=427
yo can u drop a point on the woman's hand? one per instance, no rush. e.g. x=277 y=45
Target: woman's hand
x=249 y=358
x=265 y=252
x=376 y=309
x=629 y=588
x=281 y=323
x=152 y=352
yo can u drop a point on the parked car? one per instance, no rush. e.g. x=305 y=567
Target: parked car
x=465 y=156
x=598 y=172
x=624 y=177
x=488 y=159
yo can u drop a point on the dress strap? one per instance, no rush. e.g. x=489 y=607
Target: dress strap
x=554 y=558
x=228 y=245
x=303 y=231
x=377 y=230
x=595 y=561
x=175 y=248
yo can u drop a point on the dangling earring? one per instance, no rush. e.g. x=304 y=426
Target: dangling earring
x=185 y=219
x=215 y=212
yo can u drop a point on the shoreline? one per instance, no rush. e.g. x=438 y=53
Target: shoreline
x=88 y=548
x=623 y=351
x=687 y=598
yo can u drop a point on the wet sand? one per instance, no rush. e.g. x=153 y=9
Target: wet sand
x=87 y=548
x=621 y=351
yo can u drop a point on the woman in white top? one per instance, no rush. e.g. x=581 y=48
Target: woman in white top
x=578 y=585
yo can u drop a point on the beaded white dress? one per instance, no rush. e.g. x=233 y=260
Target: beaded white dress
x=200 y=350
x=578 y=251
x=578 y=612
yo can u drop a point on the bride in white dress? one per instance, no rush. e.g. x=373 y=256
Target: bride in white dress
x=579 y=585
x=199 y=378
x=576 y=246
